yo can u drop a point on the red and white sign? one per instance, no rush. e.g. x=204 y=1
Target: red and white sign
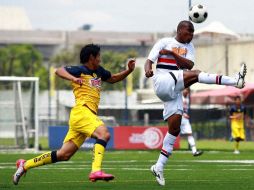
x=136 y=137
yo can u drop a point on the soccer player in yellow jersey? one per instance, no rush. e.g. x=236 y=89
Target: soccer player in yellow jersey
x=86 y=82
x=237 y=116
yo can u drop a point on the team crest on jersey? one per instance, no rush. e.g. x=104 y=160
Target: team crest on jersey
x=180 y=51
x=95 y=82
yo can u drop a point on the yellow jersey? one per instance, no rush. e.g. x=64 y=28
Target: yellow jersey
x=88 y=94
x=237 y=122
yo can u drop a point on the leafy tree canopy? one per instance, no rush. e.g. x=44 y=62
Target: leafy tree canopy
x=23 y=60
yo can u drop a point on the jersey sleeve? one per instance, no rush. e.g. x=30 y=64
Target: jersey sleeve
x=191 y=53
x=154 y=53
x=105 y=74
x=73 y=70
x=232 y=110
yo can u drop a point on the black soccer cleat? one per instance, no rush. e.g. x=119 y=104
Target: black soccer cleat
x=198 y=153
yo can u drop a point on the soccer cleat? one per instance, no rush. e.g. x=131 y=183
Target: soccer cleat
x=20 y=171
x=100 y=175
x=236 y=152
x=240 y=77
x=158 y=174
x=198 y=153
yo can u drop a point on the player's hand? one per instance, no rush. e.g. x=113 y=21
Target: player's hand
x=236 y=116
x=77 y=81
x=131 y=64
x=239 y=116
x=149 y=73
x=185 y=115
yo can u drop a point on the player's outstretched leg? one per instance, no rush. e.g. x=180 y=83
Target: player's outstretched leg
x=158 y=174
x=240 y=77
x=238 y=81
x=25 y=165
x=20 y=171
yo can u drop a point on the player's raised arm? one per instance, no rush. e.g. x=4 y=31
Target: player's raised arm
x=122 y=75
x=182 y=62
x=148 y=68
x=61 y=72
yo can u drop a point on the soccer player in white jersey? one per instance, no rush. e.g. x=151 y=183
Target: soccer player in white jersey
x=185 y=127
x=172 y=56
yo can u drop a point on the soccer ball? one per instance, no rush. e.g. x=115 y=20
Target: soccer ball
x=198 y=13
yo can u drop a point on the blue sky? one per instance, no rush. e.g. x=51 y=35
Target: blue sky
x=132 y=15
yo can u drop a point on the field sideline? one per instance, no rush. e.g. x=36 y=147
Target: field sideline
x=218 y=169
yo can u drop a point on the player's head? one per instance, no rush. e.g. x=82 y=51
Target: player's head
x=238 y=100
x=89 y=52
x=185 y=30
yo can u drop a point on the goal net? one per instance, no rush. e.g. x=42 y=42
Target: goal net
x=19 y=112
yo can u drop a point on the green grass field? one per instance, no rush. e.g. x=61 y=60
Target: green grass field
x=216 y=169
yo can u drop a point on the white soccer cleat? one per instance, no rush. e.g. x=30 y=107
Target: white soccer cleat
x=20 y=171
x=241 y=76
x=158 y=174
x=236 y=152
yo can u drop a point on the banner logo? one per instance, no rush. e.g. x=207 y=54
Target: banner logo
x=151 y=137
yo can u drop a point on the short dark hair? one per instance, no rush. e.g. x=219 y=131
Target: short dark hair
x=185 y=23
x=238 y=97
x=86 y=51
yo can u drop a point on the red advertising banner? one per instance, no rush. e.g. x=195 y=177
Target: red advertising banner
x=137 y=137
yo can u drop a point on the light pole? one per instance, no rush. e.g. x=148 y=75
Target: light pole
x=189 y=3
x=189 y=8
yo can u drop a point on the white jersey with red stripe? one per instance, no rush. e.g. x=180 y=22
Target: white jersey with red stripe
x=168 y=79
x=184 y=50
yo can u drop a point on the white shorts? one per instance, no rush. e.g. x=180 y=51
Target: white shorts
x=169 y=90
x=185 y=126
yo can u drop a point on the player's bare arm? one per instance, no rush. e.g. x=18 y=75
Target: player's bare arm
x=182 y=62
x=185 y=115
x=148 y=68
x=236 y=116
x=122 y=75
x=61 y=72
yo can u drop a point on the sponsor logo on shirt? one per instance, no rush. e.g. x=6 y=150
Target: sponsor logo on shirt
x=95 y=82
x=180 y=51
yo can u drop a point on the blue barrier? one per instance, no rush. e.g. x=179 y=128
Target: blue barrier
x=58 y=133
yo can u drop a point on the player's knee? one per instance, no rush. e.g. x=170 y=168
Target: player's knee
x=196 y=71
x=237 y=139
x=103 y=134
x=106 y=136
x=175 y=131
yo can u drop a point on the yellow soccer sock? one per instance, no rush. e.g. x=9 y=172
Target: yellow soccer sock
x=236 y=145
x=98 y=153
x=43 y=159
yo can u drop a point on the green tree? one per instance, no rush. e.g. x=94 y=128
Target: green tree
x=116 y=62
x=23 y=60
